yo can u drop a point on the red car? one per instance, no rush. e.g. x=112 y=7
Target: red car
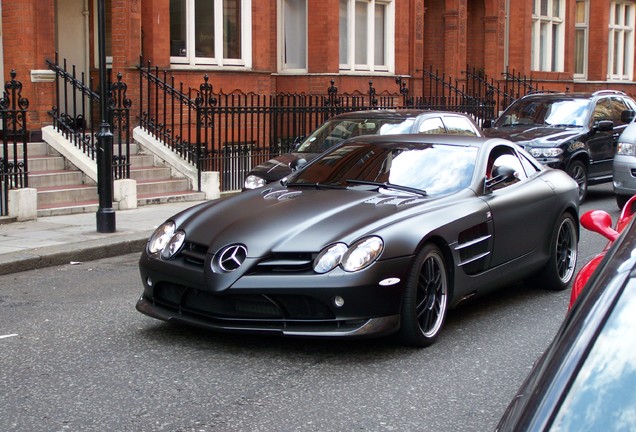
x=601 y=222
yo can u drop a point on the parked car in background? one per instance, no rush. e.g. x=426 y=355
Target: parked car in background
x=575 y=132
x=600 y=222
x=585 y=380
x=624 y=167
x=358 y=123
x=379 y=235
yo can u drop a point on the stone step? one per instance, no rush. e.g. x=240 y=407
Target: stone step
x=33 y=149
x=149 y=173
x=163 y=198
x=41 y=179
x=164 y=186
x=141 y=161
x=46 y=163
x=65 y=194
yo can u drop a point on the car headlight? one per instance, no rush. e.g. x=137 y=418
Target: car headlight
x=159 y=239
x=253 y=182
x=546 y=152
x=329 y=258
x=174 y=245
x=626 y=149
x=362 y=253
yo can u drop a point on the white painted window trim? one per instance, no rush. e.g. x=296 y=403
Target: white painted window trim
x=626 y=41
x=282 y=68
x=389 y=38
x=585 y=27
x=191 y=61
x=542 y=59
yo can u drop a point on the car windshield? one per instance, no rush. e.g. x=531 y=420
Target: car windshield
x=334 y=131
x=553 y=112
x=602 y=396
x=434 y=168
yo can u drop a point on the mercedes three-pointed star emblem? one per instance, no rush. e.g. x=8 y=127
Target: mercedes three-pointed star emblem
x=231 y=257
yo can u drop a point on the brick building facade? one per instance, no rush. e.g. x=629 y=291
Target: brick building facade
x=300 y=45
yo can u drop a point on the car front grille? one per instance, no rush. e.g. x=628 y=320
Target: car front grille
x=243 y=307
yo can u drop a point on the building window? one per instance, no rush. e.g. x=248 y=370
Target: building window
x=210 y=32
x=548 y=33
x=580 y=38
x=366 y=35
x=294 y=35
x=621 y=41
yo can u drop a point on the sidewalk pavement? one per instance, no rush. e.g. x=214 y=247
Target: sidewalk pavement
x=57 y=240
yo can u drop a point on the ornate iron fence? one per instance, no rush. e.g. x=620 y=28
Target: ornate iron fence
x=14 y=172
x=231 y=133
x=75 y=114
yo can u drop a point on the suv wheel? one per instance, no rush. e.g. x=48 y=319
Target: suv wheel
x=578 y=172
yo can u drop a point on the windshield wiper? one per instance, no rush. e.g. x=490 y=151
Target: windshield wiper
x=316 y=185
x=388 y=185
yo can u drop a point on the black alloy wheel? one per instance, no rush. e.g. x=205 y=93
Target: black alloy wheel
x=578 y=172
x=425 y=301
x=559 y=271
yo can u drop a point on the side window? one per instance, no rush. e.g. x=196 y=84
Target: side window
x=459 y=126
x=505 y=157
x=528 y=166
x=432 y=126
x=618 y=106
x=602 y=111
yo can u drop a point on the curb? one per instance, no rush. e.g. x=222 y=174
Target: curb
x=80 y=252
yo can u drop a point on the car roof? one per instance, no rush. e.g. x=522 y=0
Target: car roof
x=573 y=95
x=396 y=113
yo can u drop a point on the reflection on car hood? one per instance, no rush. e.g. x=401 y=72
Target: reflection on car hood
x=278 y=167
x=289 y=220
x=548 y=136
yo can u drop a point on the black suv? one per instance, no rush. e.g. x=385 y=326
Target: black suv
x=575 y=132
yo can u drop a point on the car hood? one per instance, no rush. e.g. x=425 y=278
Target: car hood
x=278 y=167
x=295 y=219
x=535 y=135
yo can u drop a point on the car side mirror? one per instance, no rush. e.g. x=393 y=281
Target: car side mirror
x=500 y=174
x=604 y=126
x=600 y=222
x=297 y=164
x=627 y=116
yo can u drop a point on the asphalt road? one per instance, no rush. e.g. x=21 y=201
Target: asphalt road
x=76 y=356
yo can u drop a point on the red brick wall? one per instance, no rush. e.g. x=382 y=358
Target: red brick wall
x=28 y=28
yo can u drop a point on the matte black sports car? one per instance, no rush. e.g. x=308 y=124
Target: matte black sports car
x=379 y=235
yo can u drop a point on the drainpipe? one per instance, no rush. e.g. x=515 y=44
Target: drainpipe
x=507 y=32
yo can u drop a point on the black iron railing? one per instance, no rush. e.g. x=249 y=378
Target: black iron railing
x=231 y=133
x=75 y=114
x=14 y=172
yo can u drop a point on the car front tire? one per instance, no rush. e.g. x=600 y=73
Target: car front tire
x=425 y=301
x=578 y=172
x=621 y=200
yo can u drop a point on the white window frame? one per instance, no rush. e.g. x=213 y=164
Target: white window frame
x=547 y=55
x=282 y=65
x=389 y=38
x=191 y=61
x=583 y=27
x=622 y=28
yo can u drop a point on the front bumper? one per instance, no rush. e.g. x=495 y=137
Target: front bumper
x=346 y=329
x=336 y=304
x=624 y=175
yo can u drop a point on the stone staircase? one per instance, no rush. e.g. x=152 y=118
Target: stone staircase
x=64 y=189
